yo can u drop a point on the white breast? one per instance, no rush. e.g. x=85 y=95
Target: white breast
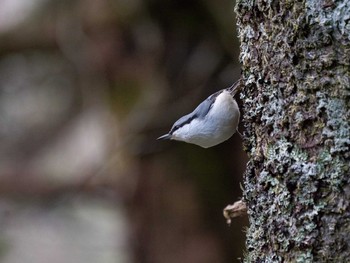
x=219 y=125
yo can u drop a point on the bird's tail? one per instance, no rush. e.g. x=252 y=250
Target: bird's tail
x=235 y=87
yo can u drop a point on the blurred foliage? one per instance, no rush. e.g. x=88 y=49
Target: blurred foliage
x=86 y=87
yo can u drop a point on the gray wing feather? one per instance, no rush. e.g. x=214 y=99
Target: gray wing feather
x=199 y=113
x=202 y=109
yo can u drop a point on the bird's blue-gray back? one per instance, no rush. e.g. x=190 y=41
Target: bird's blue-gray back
x=199 y=113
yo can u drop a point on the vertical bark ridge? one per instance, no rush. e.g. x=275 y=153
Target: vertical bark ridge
x=295 y=57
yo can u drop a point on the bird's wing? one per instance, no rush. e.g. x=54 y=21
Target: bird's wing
x=202 y=109
x=199 y=113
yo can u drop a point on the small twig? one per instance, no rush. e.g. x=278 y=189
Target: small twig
x=239 y=208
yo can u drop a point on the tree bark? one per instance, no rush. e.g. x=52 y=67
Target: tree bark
x=295 y=57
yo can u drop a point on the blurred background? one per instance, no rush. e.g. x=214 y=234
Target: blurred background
x=85 y=89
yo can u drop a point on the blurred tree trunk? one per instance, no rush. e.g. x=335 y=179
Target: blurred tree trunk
x=296 y=69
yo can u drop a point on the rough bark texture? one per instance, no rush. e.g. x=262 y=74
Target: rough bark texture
x=296 y=69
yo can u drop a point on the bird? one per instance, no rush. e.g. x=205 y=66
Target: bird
x=214 y=120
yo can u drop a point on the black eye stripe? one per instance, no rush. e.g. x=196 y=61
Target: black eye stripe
x=199 y=113
x=188 y=121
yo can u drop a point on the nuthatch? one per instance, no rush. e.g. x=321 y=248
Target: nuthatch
x=214 y=120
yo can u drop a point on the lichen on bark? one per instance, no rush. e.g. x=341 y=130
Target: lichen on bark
x=295 y=57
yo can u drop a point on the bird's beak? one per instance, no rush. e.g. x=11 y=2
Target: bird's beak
x=165 y=137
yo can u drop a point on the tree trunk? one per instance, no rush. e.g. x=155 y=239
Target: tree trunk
x=295 y=57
